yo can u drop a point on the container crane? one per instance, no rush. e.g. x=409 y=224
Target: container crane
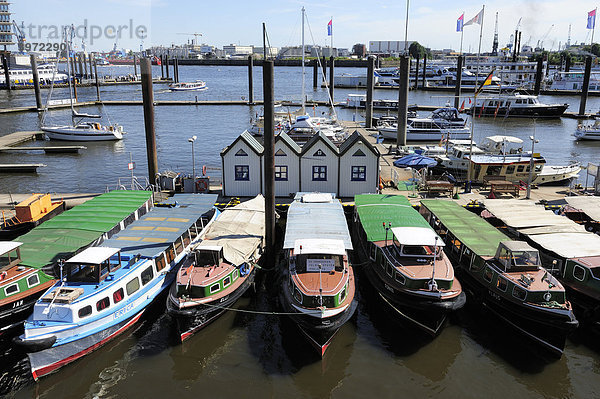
x=495 y=44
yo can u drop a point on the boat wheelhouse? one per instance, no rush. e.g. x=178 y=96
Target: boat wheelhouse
x=318 y=285
x=104 y=290
x=406 y=262
x=223 y=266
x=20 y=287
x=516 y=105
x=504 y=276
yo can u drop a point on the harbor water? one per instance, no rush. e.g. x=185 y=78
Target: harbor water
x=253 y=352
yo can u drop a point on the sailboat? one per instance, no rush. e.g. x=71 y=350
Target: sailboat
x=80 y=129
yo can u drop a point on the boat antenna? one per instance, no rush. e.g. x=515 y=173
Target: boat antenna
x=432 y=284
x=320 y=286
x=303 y=79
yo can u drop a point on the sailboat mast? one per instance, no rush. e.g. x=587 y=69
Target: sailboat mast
x=68 y=33
x=303 y=80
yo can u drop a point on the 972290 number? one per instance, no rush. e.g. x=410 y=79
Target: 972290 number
x=45 y=46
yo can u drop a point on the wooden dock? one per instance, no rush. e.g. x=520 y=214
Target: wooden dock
x=20 y=167
x=91 y=83
x=13 y=139
x=48 y=149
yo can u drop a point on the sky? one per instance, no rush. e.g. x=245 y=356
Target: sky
x=431 y=23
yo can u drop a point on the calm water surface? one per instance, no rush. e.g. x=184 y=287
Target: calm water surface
x=262 y=355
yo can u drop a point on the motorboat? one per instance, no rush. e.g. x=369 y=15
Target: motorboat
x=198 y=85
x=444 y=123
x=516 y=105
x=588 y=131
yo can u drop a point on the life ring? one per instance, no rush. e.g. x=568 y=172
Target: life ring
x=203 y=170
x=244 y=269
x=3 y=275
x=201 y=185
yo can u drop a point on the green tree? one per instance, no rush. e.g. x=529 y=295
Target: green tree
x=416 y=50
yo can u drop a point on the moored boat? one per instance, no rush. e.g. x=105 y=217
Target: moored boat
x=318 y=284
x=105 y=290
x=405 y=261
x=84 y=131
x=188 y=86
x=517 y=105
x=504 y=276
x=443 y=123
x=223 y=266
x=29 y=213
x=587 y=131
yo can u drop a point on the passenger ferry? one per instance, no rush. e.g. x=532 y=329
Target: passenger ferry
x=104 y=290
x=405 y=261
x=23 y=76
x=318 y=288
x=198 y=85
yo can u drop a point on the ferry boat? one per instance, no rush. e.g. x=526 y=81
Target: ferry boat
x=198 y=85
x=30 y=213
x=443 y=123
x=504 y=276
x=318 y=288
x=573 y=81
x=20 y=287
x=588 y=131
x=222 y=267
x=104 y=290
x=23 y=75
x=516 y=105
x=406 y=262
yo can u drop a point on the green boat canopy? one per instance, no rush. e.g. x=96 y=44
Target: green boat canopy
x=375 y=209
x=63 y=235
x=470 y=229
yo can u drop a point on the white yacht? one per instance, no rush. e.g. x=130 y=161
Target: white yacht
x=23 y=75
x=588 y=131
x=444 y=123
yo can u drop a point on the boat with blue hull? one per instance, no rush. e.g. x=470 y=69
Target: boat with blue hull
x=104 y=290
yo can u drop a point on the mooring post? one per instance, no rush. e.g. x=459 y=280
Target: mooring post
x=176 y=70
x=459 y=65
x=568 y=63
x=417 y=73
x=167 y=65
x=135 y=66
x=250 y=80
x=36 y=82
x=162 y=67
x=586 y=84
x=6 y=73
x=90 y=62
x=80 y=66
x=269 y=137
x=424 y=70
x=84 y=60
x=331 y=67
x=403 y=101
x=315 y=73
x=324 y=66
x=97 y=82
x=148 y=99
x=538 y=77
x=370 y=84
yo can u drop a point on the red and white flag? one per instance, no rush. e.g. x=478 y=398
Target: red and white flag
x=477 y=19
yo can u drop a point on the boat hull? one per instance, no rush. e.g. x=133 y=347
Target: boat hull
x=13 y=314
x=11 y=232
x=547 y=111
x=191 y=320
x=66 y=134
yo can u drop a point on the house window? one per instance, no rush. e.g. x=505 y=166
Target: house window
x=281 y=173
x=33 y=280
x=319 y=153
x=359 y=173
x=319 y=173
x=241 y=153
x=242 y=172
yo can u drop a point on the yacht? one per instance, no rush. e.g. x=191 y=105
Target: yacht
x=516 y=105
x=444 y=123
x=588 y=131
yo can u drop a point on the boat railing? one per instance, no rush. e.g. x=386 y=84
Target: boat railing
x=134 y=183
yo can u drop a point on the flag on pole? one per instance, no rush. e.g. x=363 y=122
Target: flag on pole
x=591 y=22
x=462 y=107
x=330 y=28
x=477 y=19
x=486 y=82
x=460 y=22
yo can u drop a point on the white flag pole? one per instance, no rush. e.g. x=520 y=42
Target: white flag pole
x=594 y=26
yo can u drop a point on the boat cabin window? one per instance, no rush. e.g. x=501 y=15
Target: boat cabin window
x=11 y=289
x=186 y=239
x=319 y=262
x=33 y=280
x=178 y=245
x=488 y=274
x=132 y=286
x=579 y=272
x=118 y=295
x=519 y=293
x=170 y=253
x=147 y=275
x=415 y=250
x=160 y=262
x=102 y=304
x=520 y=168
x=85 y=311
x=9 y=259
x=494 y=170
x=595 y=272
x=92 y=273
x=537 y=168
x=510 y=169
x=502 y=284
x=214 y=288
x=226 y=281
x=209 y=258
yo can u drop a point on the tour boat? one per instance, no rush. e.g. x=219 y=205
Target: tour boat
x=587 y=131
x=188 y=86
x=104 y=290
x=23 y=75
x=29 y=213
x=405 y=261
x=222 y=267
x=20 y=287
x=318 y=288
x=504 y=276
x=516 y=105
x=443 y=123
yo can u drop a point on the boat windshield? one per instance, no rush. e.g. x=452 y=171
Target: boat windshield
x=525 y=258
x=307 y=263
x=208 y=258
x=9 y=259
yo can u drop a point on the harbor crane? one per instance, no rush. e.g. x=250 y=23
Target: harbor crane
x=495 y=44
x=195 y=40
x=20 y=35
x=540 y=43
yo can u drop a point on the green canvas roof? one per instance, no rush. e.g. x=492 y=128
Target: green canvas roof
x=477 y=234
x=374 y=209
x=63 y=235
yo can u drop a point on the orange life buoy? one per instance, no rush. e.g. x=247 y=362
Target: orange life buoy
x=201 y=186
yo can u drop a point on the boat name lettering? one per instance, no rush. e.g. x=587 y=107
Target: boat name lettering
x=124 y=310
x=390 y=289
x=18 y=303
x=494 y=295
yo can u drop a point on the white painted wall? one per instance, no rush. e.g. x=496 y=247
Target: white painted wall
x=237 y=188
x=349 y=188
x=308 y=160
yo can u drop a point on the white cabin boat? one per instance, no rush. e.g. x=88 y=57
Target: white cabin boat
x=198 y=85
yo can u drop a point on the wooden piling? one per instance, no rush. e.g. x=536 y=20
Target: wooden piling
x=315 y=73
x=176 y=70
x=97 y=82
x=459 y=65
x=135 y=66
x=36 y=82
x=403 y=101
x=84 y=60
x=92 y=74
x=370 y=84
x=250 y=80
x=424 y=71
x=269 y=159
x=6 y=72
x=538 y=77
x=74 y=78
x=162 y=67
x=331 y=72
x=80 y=66
x=167 y=65
x=568 y=63
x=586 y=84
x=417 y=74
x=324 y=66
x=148 y=98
